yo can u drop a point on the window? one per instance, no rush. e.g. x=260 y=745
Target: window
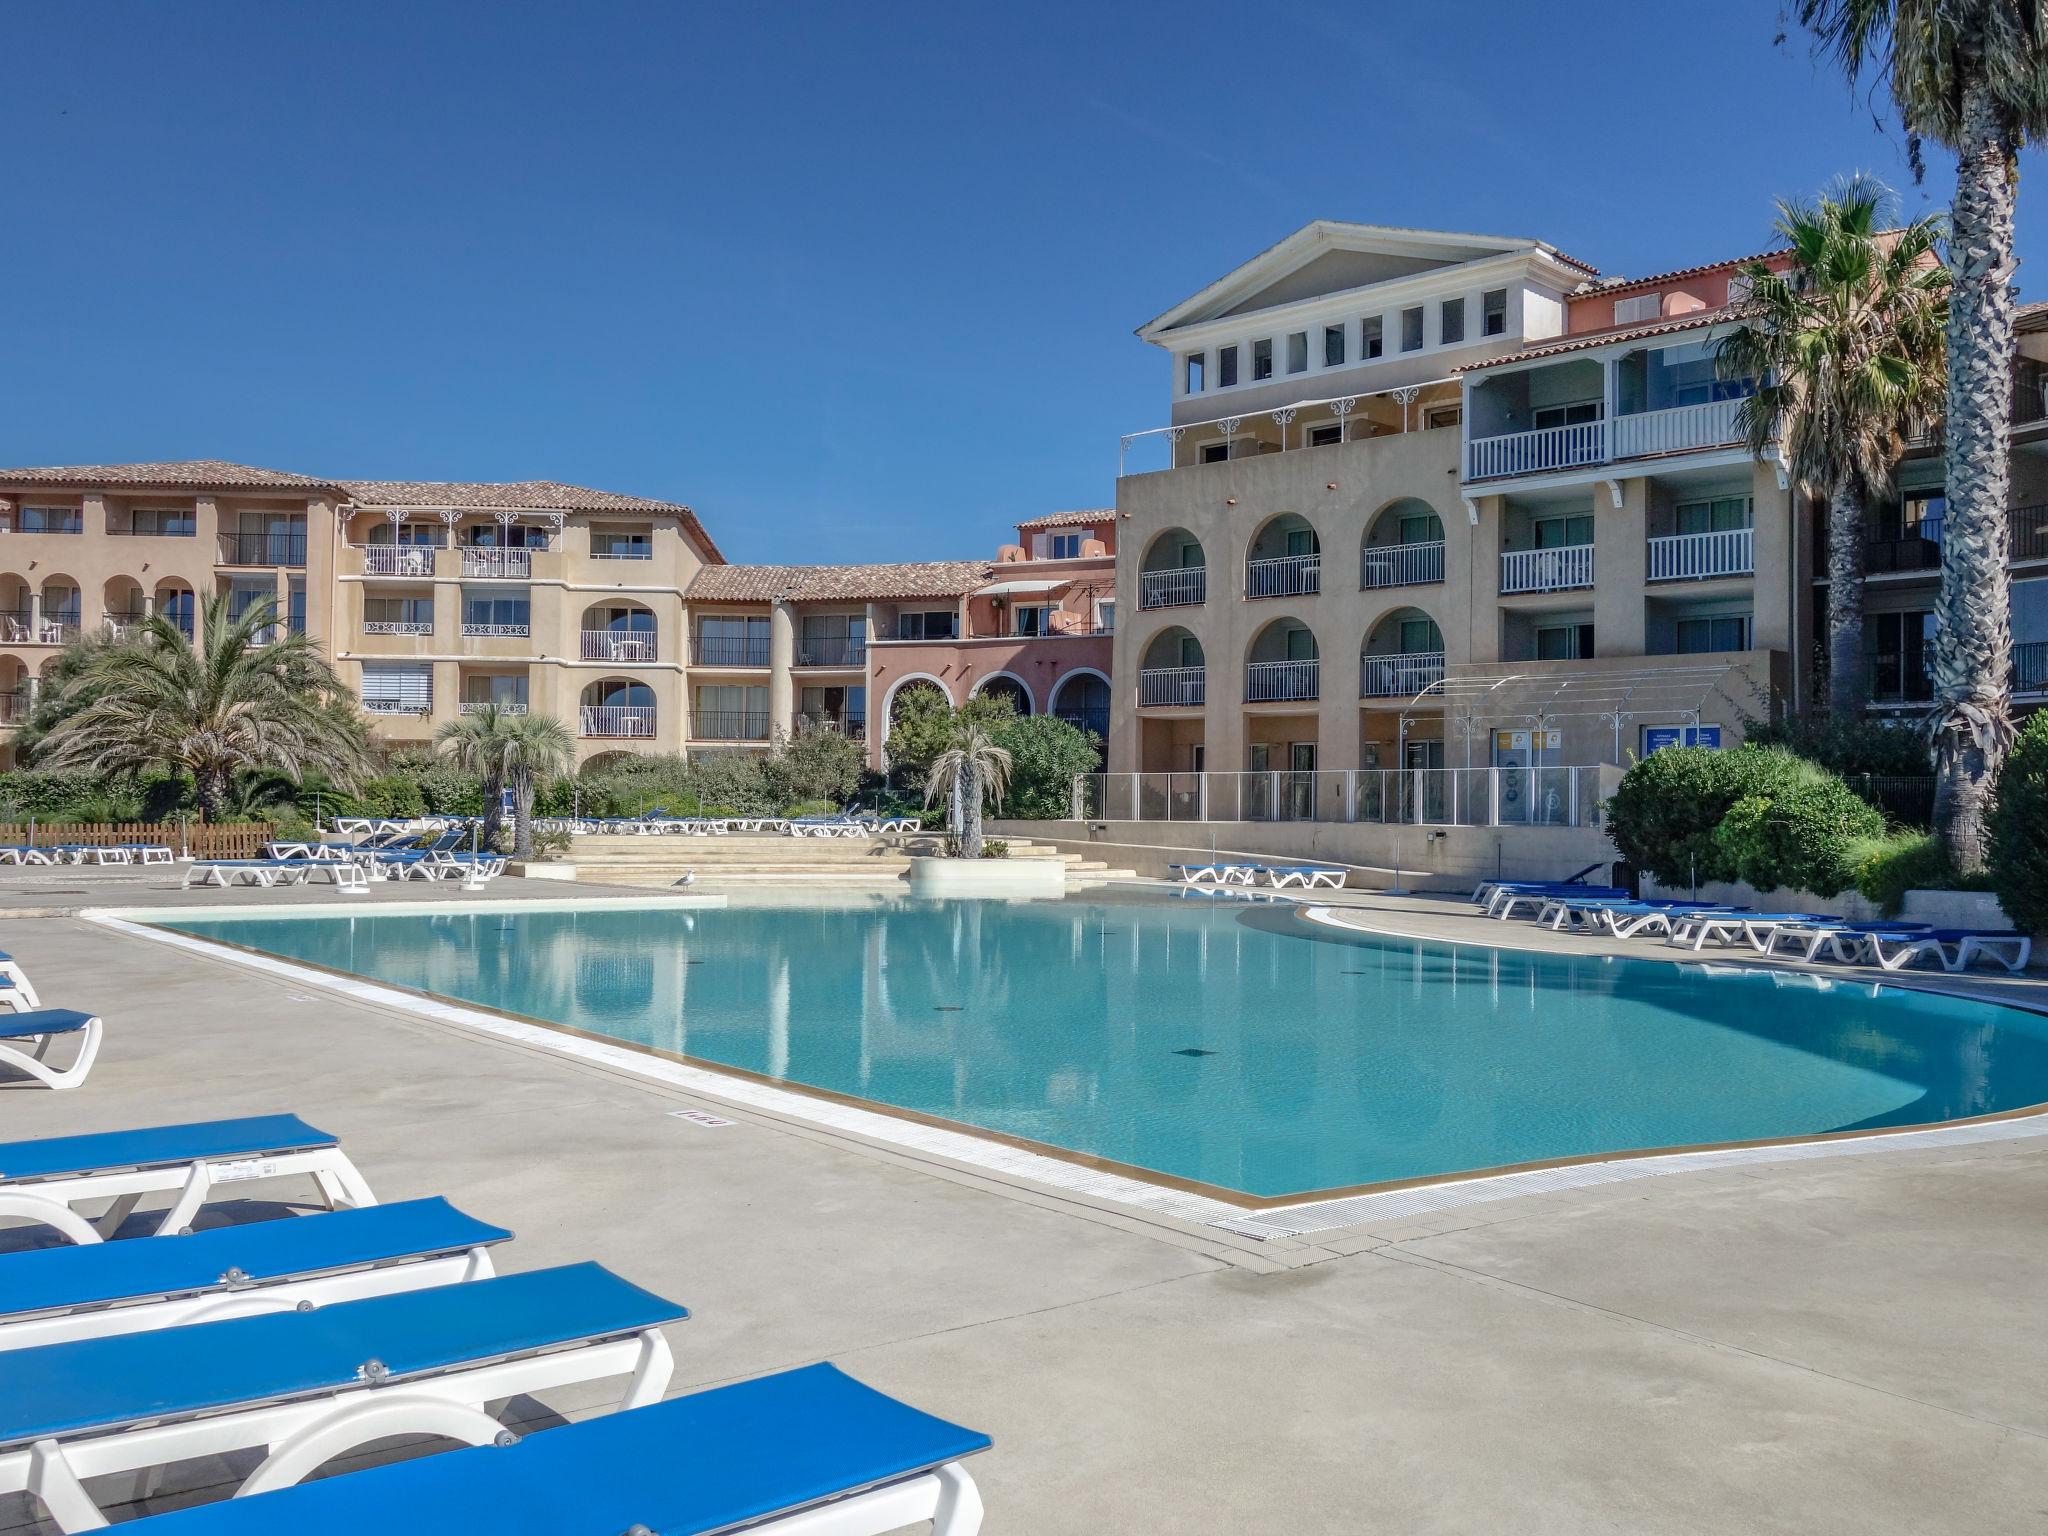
x=398 y=688
x=1738 y=288
x=1215 y=453
x=1493 y=312
x=1301 y=541
x=730 y=713
x=1226 y=367
x=1450 y=324
x=1443 y=416
x=732 y=642
x=1721 y=515
x=844 y=709
x=1713 y=632
x=1326 y=434
x=1644 y=306
x=495 y=613
x=411 y=535
x=832 y=640
x=621 y=544
x=163 y=522
x=1897 y=652
x=1333 y=346
x=1411 y=329
x=1190 y=651
x=1420 y=635
x=1301 y=645
x=506 y=690
x=1371 y=338
x=1032 y=619
x=1297 y=352
x=1420 y=528
x=1192 y=368
x=51 y=520
x=1573 y=415
x=1922 y=513
x=1262 y=360
x=1564 y=642
x=295 y=608
x=1563 y=532
x=398 y=615
x=940 y=624
x=1105 y=616
x=1064 y=546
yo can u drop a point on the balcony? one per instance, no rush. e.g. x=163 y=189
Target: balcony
x=1400 y=565
x=1183 y=588
x=503 y=707
x=1399 y=676
x=398 y=626
x=720 y=651
x=619 y=645
x=622 y=552
x=729 y=725
x=19 y=626
x=1680 y=429
x=1702 y=556
x=414 y=560
x=852 y=727
x=119 y=626
x=1267 y=682
x=833 y=651
x=1284 y=576
x=476 y=631
x=1546 y=570
x=272 y=549
x=1172 y=687
x=1532 y=453
x=395 y=706
x=635 y=720
x=2030 y=667
x=497 y=564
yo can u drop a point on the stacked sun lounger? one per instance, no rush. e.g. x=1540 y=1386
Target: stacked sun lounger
x=30 y=1035
x=289 y=1344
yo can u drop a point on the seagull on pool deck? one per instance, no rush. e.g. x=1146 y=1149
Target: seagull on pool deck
x=689 y=877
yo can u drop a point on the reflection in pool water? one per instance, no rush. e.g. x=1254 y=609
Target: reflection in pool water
x=1240 y=1047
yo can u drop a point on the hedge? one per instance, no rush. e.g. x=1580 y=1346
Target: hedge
x=1668 y=807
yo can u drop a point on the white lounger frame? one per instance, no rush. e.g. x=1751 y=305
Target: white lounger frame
x=946 y=1497
x=53 y=1201
x=242 y=1297
x=300 y=1437
x=30 y=1053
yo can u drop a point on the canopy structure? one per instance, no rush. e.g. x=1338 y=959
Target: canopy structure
x=1476 y=702
x=1020 y=588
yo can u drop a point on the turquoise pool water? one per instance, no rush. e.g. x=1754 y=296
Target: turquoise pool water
x=1241 y=1047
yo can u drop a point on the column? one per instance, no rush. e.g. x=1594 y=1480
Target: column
x=781 y=658
x=1476 y=590
x=1621 y=567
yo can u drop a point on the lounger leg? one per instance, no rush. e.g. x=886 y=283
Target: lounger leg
x=53 y=1214
x=108 y=1222
x=651 y=1372
x=362 y=1422
x=340 y=1184
x=51 y=1480
x=51 y=1077
x=179 y=1217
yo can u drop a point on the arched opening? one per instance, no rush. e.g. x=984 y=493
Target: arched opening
x=617 y=706
x=1172 y=671
x=1402 y=654
x=1001 y=685
x=63 y=610
x=1082 y=700
x=1174 y=571
x=619 y=630
x=15 y=695
x=1284 y=559
x=17 y=605
x=123 y=604
x=175 y=601
x=1403 y=546
x=1282 y=663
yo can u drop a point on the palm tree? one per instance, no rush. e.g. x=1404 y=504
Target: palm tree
x=1971 y=75
x=476 y=743
x=537 y=748
x=239 y=698
x=1846 y=347
x=971 y=769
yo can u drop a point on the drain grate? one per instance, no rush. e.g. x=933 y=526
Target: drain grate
x=946 y=1008
x=1193 y=1050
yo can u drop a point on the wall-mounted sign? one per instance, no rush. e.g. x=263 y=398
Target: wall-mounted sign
x=1657 y=737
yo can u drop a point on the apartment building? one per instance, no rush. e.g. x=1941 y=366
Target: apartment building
x=616 y=614
x=1439 y=501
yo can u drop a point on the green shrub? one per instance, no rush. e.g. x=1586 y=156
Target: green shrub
x=1667 y=808
x=809 y=808
x=2019 y=830
x=1798 y=835
x=392 y=795
x=994 y=848
x=1045 y=754
x=1889 y=866
x=816 y=764
x=1849 y=746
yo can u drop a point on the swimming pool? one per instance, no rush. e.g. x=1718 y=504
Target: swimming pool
x=1242 y=1048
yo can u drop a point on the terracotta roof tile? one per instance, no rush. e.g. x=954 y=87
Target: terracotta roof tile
x=1603 y=287
x=1071 y=519
x=837 y=583
x=1580 y=343
x=183 y=474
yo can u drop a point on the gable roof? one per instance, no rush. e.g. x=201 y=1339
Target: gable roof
x=1586 y=339
x=179 y=474
x=837 y=583
x=1602 y=287
x=525 y=496
x=1323 y=236
x=1070 y=519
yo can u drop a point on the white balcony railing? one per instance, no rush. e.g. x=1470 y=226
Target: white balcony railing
x=1283 y=576
x=1401 y=565
x=1680 y=429
x=617 y=719
x=398 y=626
x=1546 y=570
x=1401 y=675
x=496 y=631
x=618 y=645
x=503 y=706
x=1181 y=588
x=1168 y=686
x=396 y=706
x=513 y=564
x=1267 y=681
x=1699 y=556
x=1529 y=453
x=398 y=560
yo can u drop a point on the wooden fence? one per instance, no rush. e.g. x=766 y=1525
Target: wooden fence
x=237 y=841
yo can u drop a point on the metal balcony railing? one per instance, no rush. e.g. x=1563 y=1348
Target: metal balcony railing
x=392 y=706
x=730 y=725
x=1546 y=570
x=834 y=651
x=1467 y=797
x=503 y=706
x=286 y=549
x=617 y=720
x=1284 y=576
x=1401 y=565
x=1700 y=556
x=619 y=645
x=1169 y=687
x=502 y=564
x=718 y=651
x=475 y=630
x=1401 y=675
x=1182 y=588
x=415 y=560
x=398 y=626
x=2030 y=666
x=1093 y=721
x=1270 y=681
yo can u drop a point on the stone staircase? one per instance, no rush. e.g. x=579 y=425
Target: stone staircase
x=602 y=859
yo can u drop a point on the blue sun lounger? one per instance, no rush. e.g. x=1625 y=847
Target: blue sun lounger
x=91 y=1290
x=1954 y=949
x=15 y=988
x=45 y=1180
x=1216 y=874
x=26 y=1037
x=808 y=1450
x=303 y=1388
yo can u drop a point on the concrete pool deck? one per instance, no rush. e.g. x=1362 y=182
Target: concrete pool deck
x=1851 y=1344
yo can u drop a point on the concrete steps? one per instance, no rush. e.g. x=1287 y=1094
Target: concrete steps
x=660 y=861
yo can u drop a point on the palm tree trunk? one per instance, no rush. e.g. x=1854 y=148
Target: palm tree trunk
x=1973 y=613
x=970 y=793
x=494 y=810
x=1847 y=686
x=210 y=789
x=522 y=816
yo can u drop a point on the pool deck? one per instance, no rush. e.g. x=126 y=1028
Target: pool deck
x=1854 y=1344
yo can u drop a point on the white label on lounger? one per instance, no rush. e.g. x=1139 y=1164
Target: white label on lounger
x=249 y=1168
x=696 y=1117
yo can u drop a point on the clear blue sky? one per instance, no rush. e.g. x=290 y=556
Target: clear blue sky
x=856 y=282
